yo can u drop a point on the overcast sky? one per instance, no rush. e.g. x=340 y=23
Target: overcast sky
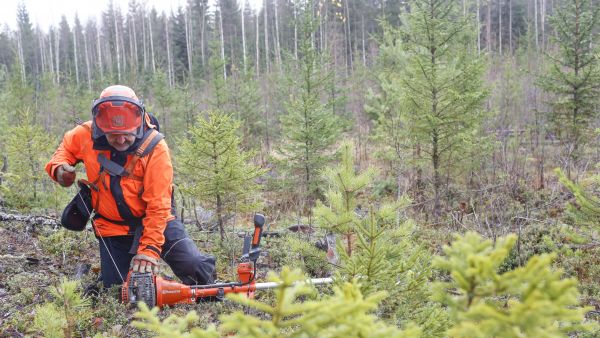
x=49 y=12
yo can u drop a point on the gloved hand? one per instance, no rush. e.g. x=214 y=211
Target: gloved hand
x=65 y=175
x=142 y=263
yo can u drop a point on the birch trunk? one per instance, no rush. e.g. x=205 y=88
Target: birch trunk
x=510 y=27
x=87 y=61
x=478 y=27
x=21 y=57
x=266 y=26
x=202 y=29
x=500 y=26
x=348 y=39
x=42 y=48
x=244 y=37
x=364 y=51
x=152 y=58
x=100 y=67
x=295 y=32
x=135 y=43
x=118 y=46
x=144 y=44
x=57 y=56
x=488 y=26
x=543 y=22
x=188 y=44
x=51 y=55
x=222 y=37
x=75 y=58
x=535 y=22
x=277 y=44
x=169 y=57
x=257 y=45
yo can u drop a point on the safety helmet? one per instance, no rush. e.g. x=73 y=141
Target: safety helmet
x=118 y=111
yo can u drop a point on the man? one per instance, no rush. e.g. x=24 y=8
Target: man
x=130 y=173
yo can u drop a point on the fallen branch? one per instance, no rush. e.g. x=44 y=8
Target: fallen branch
x=30 y=219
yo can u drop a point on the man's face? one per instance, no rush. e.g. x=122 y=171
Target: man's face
x=120 y=142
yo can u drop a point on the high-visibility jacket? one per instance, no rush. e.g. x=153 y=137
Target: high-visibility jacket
x=149 y=199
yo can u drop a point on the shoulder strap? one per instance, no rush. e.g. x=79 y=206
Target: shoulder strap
x=148 y=143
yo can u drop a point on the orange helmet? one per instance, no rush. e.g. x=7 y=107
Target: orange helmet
x=118 y=111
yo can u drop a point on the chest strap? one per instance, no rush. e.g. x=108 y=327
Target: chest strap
x=149 y=141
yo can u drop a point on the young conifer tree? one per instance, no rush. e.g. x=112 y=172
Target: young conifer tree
x=530 y=301
x=378 y=247
x=441 y=86
x=28 y=146
x=214 y=169
x=574 y=74
x=309 y=128
x=587 y=208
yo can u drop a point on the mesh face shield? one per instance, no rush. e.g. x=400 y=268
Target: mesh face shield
x=117 y=115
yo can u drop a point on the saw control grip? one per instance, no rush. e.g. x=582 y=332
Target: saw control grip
x=259 y=222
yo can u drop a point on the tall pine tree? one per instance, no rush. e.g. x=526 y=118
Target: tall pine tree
x=309 y=128
x=574 y=75
x=441 y=86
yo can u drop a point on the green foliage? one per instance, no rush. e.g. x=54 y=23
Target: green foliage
x=66 y=315
x=587 y=208
x=439 y=87
x=345 y=185
x=173 y=326
x=309 y=128
x=379 y=248
x=530 y=301
x=296 y=313
x=575 y=72
x=28 y=146
x=64 y=243
x=297 y=251
x=213 y=168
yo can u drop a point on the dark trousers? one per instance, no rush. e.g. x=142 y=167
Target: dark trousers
x=179 y=251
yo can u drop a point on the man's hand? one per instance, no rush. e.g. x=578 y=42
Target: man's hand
x=65 y=175
x=142 y=263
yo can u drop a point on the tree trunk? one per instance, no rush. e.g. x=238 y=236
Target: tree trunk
x=257 y=46
x=478 y=27
x=510 y=27
x=202 y=29
x=348 y=33
x=364 y=51
x=295 y=32
x=118 y=46
x=188 y=43
x=222 y=38
x=488 y=26
x=535 y=22
x=220 y=218
x=244 y=37
x=87 y=62
x=75 y=58
x=100 y=67
x=277 y=44
x=169 y=57
x=144 y=43
x=266 y=27
x=500 y=27
x=152 y=58
x=57 y=56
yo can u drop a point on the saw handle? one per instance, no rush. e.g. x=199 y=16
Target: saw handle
x=259 y=222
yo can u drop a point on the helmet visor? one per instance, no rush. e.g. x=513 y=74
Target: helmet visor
x=118 y=117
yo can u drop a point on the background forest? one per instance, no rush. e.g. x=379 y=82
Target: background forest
x=450 y=146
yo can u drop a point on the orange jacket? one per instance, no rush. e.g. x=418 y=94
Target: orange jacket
x=150 y=199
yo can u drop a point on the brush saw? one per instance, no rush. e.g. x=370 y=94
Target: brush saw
x=155 y=290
